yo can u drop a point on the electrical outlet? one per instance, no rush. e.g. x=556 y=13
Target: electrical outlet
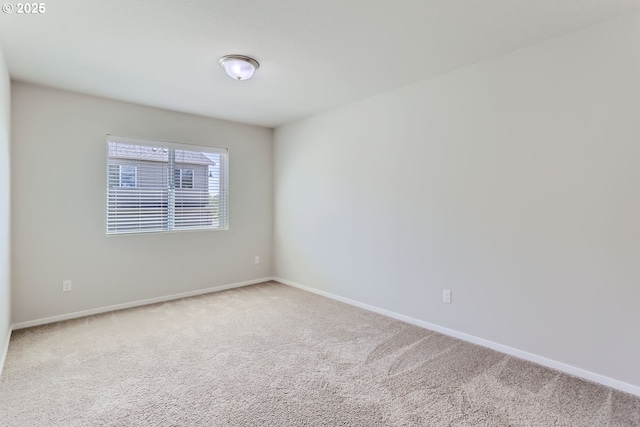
x=66 y=286
x=446 y=296
x=257 y=260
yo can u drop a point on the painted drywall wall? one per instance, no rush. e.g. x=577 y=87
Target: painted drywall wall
x=5 y=222
x=58 y=207
x=512 y=183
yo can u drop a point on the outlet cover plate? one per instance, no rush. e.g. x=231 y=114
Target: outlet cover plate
x=446 y=296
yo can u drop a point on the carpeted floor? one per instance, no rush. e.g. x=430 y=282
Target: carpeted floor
x=273 y=355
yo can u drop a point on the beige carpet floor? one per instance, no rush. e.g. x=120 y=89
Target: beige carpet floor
x=273 y=355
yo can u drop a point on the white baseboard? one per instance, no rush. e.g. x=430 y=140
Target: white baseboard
x=139 y=303
x=563 y=367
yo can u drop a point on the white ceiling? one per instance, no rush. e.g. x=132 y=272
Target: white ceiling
x=314 y=54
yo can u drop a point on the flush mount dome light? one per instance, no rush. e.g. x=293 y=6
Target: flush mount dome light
x=239 y=67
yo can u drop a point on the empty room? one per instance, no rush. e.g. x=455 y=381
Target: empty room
x=320 y=213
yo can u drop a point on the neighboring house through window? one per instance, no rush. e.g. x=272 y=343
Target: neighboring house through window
x=160 y=186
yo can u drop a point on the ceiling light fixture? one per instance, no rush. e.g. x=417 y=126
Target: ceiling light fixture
x=239 y=67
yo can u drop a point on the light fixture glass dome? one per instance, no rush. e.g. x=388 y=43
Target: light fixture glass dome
x=239 y=67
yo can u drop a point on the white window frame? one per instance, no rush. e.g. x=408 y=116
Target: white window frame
x=170 y=148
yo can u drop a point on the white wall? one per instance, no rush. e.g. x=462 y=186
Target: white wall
x=58 y=207
x=5 y=222
x=513 y=182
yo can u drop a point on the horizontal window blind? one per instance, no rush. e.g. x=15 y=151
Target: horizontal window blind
x=161 y=186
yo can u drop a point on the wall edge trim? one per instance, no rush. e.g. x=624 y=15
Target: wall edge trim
x=531 y=357
x=138 y=303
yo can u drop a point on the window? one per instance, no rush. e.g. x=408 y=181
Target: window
x=183 y=178
x=161 y=186
x=122 y=175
